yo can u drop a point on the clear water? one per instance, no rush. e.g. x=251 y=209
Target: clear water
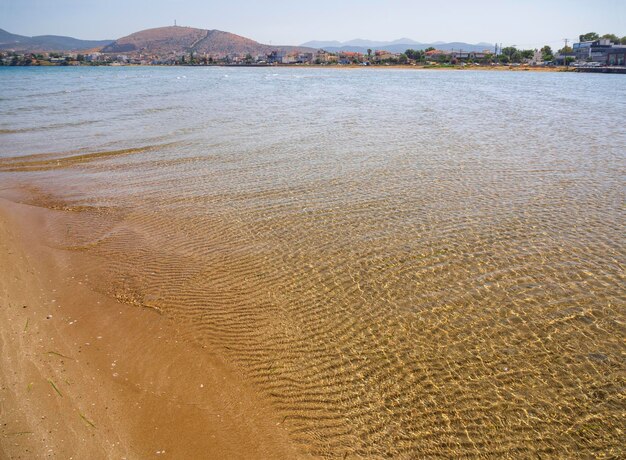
x=406 y=263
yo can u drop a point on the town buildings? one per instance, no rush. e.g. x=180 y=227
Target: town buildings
x=602 y=52
x=598 y=53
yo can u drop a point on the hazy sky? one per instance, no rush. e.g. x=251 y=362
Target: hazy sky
x=525 y=23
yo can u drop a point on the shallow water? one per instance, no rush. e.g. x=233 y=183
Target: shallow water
x=406 y=263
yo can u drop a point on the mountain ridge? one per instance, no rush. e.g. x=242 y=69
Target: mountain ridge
x=16 y=42
x=178 y=39
x=394 y=46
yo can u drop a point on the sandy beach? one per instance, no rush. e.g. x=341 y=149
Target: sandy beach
x=85 y=377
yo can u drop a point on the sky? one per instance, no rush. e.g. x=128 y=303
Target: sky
x=525 y=23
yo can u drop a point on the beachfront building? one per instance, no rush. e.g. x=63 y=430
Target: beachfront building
x=350 y=57
x=305 y=58
x=434 y=55
x=380 y=56
x=275 y=57
x=602 y=51
x=324 y=57
x=94 y=57
x=468 y=55
x=289 y=58
x=616 y=56
x=297 y=58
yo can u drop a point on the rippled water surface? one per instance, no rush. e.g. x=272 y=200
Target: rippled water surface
x=406 y=263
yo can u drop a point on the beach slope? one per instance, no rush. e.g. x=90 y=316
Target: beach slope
x=82 y=376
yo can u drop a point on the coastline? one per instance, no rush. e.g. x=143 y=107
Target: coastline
x=83 y=376
x=407 y=67
x=489 y=68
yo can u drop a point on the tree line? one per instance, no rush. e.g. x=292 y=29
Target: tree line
x=512 y=55
x=592 y=37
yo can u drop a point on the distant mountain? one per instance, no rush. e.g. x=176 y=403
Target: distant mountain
x=8 y=37
x=322 y=44
x=375 y=44
x=9 y=41
x=176 y=40
x=360 y=43
x=404 y=41
x=395 y=46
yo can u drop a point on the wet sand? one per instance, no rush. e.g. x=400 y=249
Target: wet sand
x=83 y=376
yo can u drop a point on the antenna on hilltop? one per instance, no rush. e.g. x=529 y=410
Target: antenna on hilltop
x=174 y=22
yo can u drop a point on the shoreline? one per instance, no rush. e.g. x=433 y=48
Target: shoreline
x=499 y=68
x=407 y=67
x=84 y=376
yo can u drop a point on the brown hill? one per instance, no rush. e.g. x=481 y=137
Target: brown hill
x=178 y=40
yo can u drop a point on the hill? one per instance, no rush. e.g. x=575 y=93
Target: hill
x=8 y=37
x=9 y=41
x=177 y=40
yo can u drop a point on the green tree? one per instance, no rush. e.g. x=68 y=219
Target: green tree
x=527 y=54
x=488 y=59
x=369 y=53
x=614 y=38
x=589 y=37
x=429 y=49
x=512 y=53
x=566 y=50
x=403 y=59
x=416 y=55
x=546 y=53
x=623 y=41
